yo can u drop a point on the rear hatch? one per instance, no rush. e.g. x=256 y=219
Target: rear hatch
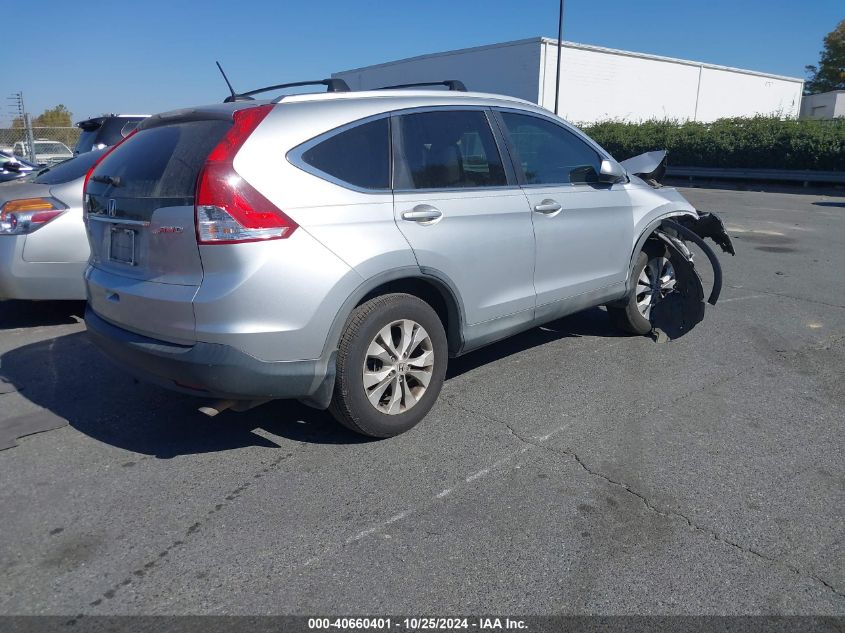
x=88 y=137
x=145 y=262
x=104 y=131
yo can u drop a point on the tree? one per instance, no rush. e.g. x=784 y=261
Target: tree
x=59 y=116
x=830 y=73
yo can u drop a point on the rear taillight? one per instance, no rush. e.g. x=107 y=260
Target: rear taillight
x=19 y=217
x=228 y=209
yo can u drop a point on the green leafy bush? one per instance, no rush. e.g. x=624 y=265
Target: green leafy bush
x=754 y=143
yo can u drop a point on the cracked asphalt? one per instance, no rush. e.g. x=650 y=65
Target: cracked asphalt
x=569 y=470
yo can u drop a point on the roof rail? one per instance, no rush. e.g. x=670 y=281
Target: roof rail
x=332 y=85
x=451 y=84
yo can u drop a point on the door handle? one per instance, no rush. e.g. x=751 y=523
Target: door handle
x=547 y=207
x=422 y=213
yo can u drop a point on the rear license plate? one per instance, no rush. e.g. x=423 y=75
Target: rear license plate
x=122 y=245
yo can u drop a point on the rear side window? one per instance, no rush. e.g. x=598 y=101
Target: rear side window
x=162 y=162
x=129 y=126
x=447 y=149
x=359 y=156
x=550 y=154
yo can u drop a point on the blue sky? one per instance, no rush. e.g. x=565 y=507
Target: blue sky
x=151 y=56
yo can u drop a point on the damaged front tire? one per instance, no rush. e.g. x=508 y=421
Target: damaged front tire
x=632 y=317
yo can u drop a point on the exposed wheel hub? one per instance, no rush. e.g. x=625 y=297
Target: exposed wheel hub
x=656 y=281
x=398 y=366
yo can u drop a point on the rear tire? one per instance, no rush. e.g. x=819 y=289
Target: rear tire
x=391 y=363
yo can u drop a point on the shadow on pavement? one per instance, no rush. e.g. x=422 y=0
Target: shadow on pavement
x=592 y=322
x=17 y=314
x=68 y=376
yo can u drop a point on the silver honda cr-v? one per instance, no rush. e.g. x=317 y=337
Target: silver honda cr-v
x=338 y=248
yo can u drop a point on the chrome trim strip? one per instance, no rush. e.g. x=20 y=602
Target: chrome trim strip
x=513 y=187
x=110 y=220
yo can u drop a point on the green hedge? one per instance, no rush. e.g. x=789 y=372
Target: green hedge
x=755 y=143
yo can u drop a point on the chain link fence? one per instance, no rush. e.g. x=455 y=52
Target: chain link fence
x=54 y=142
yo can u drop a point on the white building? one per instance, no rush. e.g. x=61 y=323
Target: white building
x=825 y=105
x=597 y=83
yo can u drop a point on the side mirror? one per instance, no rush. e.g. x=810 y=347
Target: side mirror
x=612 y=172
x=11 y=166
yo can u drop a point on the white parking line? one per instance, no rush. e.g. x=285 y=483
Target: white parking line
x=741 y=298
x=379 y=526
x=477 y=475
x=447 y=491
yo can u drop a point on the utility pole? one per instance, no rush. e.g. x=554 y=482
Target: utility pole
x=17 y=104
x=30 y=138
x=559 y=50
x=29 y=144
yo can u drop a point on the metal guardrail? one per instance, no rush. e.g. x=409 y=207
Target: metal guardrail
x=786 y=175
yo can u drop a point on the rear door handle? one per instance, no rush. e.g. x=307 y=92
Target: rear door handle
x=547 y=207
x=422 y=213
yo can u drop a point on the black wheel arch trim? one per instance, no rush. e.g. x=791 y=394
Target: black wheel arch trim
x=694 y=227
x=438 y=279
x=650 y=228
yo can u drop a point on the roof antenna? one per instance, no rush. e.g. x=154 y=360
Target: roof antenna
x=228 y=83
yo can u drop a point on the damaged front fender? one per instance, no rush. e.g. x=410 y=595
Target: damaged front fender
x=682 y=309
x=707 y=225
x=665 y=221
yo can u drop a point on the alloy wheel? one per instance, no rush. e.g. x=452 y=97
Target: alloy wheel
x=398 y=366
x=656 y=281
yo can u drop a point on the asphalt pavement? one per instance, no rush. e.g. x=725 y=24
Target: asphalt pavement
x=568 y=470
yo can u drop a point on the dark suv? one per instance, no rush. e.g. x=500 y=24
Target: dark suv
x=104 y=131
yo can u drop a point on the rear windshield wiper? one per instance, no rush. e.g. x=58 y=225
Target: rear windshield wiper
x=114 y=181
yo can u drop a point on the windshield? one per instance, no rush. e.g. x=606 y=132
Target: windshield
x=68 y=170
x=50 y=148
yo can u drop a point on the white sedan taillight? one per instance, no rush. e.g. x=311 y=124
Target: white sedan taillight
x=19 y=217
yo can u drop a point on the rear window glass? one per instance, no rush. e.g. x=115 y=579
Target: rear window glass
x=359 y=156
x=162 y=162
x=68 y=170
x=86 y=141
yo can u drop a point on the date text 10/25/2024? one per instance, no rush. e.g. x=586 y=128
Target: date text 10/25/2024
x=417 y=624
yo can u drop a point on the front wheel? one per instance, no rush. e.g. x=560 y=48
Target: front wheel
x=655 y=279
x=391 y=364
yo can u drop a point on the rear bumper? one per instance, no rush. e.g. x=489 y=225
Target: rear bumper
x=20 y=279
x=210 y=369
